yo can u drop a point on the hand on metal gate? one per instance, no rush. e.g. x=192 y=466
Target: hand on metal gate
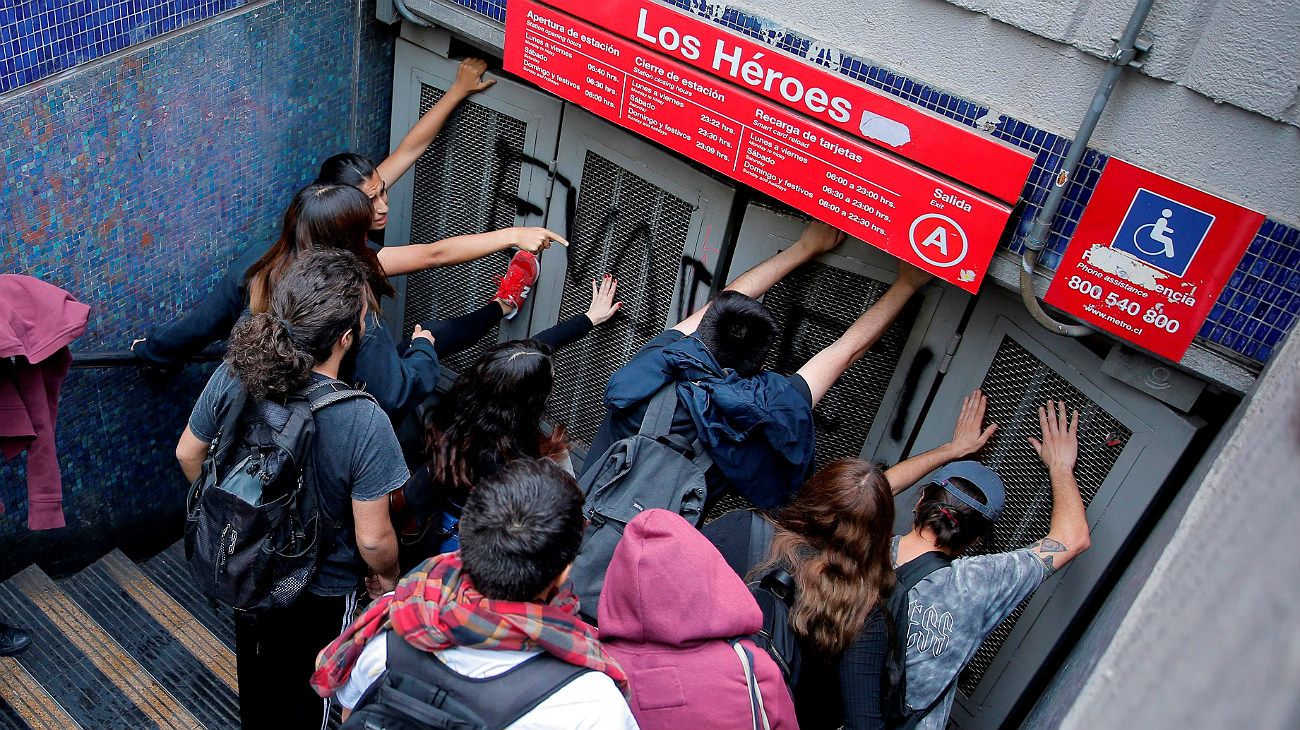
x=469 y=77
x=1059 y=448
x=819 y=238
x=970 y=435
x=603 y=305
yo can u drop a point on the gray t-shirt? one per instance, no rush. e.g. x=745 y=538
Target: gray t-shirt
x=951 y=611
x=356 y=456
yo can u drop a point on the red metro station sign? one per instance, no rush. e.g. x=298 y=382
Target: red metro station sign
x=865 y=162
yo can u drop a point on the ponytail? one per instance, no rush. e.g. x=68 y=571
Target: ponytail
x=264 y=357
x=320 y=298
x=956 y=526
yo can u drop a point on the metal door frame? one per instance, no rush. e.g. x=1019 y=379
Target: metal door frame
x=1159 y=438
x=764 y=232
x=709 y=197
x=413 y=66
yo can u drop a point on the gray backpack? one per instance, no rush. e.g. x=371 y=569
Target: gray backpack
x=653 y=469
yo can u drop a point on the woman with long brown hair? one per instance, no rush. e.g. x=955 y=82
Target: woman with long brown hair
x=833 y=541
x=320 y=217
x=335 y=217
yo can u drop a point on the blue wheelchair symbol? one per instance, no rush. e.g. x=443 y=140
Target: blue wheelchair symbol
x=1162 y=232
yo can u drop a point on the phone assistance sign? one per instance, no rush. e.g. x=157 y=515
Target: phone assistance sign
x=924 y=188
x=1150 y=257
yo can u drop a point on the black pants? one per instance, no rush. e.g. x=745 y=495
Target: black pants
x=275 y=655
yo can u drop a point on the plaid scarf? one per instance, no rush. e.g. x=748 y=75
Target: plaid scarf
x=436 y=607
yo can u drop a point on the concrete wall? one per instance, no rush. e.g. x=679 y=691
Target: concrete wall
x=132 y=181
x=1216 y=107
x=1213 y=639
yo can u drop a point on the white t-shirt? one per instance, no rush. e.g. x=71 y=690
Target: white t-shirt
x=591 y=701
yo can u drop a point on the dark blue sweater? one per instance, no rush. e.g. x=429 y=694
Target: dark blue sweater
x=398 y=381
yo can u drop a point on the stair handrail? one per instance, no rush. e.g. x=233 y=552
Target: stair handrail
x=127 y=358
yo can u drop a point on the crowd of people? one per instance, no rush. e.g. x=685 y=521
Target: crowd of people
x=496 y=596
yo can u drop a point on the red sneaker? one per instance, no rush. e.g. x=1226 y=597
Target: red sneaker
x=520 y=276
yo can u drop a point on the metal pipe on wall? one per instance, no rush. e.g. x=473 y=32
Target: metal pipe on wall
x=412 y=18
x=1036 y=239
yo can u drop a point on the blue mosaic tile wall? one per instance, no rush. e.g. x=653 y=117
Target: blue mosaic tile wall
x=133 y=182
x=42 y=37
x=1261 y=301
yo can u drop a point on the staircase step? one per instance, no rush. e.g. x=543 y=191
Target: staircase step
x=169 y=571
x=153 y=628
x=25 y=703
x=88 y=673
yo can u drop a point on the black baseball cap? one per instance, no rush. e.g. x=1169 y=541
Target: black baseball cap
x=981 y=476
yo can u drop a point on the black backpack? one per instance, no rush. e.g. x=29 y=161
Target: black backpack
x=418 y=692
x=774 y=592
x=652 y=468
x=255 y=523
x=894 y=677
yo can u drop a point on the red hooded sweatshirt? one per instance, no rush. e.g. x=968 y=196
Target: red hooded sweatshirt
x=37 y=321
x=669 y=606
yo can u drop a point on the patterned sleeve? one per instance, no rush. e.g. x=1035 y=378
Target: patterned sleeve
x=999 y=582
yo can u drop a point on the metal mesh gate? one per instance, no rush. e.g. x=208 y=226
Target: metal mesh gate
x=1017 y=383
x=626 y=226
x=815 y=305
x=466 y=182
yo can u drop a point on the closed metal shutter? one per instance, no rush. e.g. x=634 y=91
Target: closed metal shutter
x=814 y=306
x=464 y=183
x=1018 y=383
x=631 y=228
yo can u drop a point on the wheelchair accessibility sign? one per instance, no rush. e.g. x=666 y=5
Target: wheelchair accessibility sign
x=1150 y=257
x=1162 y=232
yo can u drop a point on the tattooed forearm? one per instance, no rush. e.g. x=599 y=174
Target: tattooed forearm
x=1045 y=548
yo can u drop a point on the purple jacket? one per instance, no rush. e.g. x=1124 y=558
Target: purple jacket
x=37 y=321
x=669 y=606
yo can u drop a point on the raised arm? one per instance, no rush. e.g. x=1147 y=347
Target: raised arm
x=827 y=366
x=398 y=382
x=398 y=260
x=817 y=239
x=1067 y=536
x=578 y=326
x=468 y=81
x=968 y=437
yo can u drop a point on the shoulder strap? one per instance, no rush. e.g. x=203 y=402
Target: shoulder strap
x=658 y=424
x=226 y=431
x=325 y=394
x=500 y=700
x=907 y=576
x=918 y=568
x=761 y=531
x=757 y=711
x=659 y=414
